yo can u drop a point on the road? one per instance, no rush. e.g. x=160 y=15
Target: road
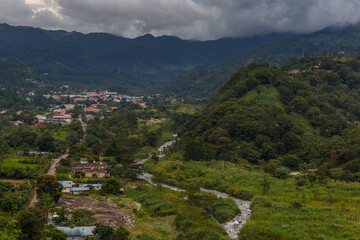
x=83 y=125
x=52 y=169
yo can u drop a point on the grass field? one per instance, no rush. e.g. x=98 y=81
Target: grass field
x=14 y=161
x=291 y=209
x=165 y=214
x=264 y=94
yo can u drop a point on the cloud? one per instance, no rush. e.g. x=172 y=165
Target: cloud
x=200 y=19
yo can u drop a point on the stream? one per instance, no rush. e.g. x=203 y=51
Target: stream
x=233 y=226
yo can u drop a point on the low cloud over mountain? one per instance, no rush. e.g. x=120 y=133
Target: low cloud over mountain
x=190 y=19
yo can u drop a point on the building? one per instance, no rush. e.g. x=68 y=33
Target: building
x=77 y=233
x=67 y=185
x=75 y=188
x=83 y=160
x=41 y=119
x=92 y=110
x=79 y=189
x=95 y=169
x=62 y=119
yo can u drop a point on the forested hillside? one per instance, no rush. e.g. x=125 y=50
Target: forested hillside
x=100 y=59
x=205 y=83
x=272 y=118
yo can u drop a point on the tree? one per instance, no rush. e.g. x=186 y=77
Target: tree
x=45 y=142
x=46 y=203
x=104 y=232
x=82 y=217
x=265 y=184
x=9 y=229
x=131 y=121
x=282 y=172
x=111 y=186
x=122 y=233
x=14 y=201
x=49 y=184
x=194 y=149
x=31 y=223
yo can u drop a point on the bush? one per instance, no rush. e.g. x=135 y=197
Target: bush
x=145 y=236
x=243 y=194
x=282 y=172
x=112 y=186
x=225 y=210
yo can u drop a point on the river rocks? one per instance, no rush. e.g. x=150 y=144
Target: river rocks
x=232 y=227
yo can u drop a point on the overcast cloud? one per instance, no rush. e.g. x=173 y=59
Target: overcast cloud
x=189 y=19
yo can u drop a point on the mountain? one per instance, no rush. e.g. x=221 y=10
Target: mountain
x=107 y=60
x=270 y=117
x=204 y=83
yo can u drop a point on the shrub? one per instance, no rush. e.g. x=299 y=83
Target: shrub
x=225 y=210
x=243 y=194
x=282 y=172
x=145 y=236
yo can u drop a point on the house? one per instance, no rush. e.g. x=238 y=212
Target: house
x=97 y=169
x=77 y=233
x=91 y=109
x=67 y=185
x=83 y=160
x=75 y=188
x=62 y=119
x=294 y=71
x=79 y=189
x=96 y=186
x=17 y=123
x=41 y=119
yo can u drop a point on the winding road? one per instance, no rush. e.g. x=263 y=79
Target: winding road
x=233 y=226
x=52 y=168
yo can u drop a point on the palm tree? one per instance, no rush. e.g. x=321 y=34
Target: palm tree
x=46 y=203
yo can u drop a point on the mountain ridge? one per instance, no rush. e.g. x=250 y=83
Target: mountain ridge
x=150 y=61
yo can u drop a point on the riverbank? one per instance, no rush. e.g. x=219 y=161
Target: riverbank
x=233 y=226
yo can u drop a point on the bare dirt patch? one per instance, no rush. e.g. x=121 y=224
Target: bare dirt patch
x=105 y=211
x=15 y=181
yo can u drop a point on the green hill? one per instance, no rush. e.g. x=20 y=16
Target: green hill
x=99 y=59
x=205 y=83
x=265 y=115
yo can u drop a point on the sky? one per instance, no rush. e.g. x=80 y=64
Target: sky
x=188 y=19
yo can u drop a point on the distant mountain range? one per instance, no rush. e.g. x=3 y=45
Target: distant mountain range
x=204 y=83
x=100 y=59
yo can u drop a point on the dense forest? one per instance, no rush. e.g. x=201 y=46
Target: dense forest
x=204 y=83
x=272 y=118
x=100 y=59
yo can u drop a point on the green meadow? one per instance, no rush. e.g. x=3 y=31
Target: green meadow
x=293 y=208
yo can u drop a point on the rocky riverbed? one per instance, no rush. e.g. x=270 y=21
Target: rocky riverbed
x=233 y=226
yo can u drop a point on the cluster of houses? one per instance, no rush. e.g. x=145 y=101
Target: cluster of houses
x=56 y=114
x=77 y=188
x=99 y=96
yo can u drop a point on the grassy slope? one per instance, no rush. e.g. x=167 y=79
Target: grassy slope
x=159 y=208
x=287 y=211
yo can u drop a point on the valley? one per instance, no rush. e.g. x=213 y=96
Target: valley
x=158 y=138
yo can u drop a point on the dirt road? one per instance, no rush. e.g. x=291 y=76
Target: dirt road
x=52 y=169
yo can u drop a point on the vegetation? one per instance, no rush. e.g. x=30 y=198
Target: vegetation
x=282 y=121
x=204 y=83
x=284 y=207
x=191 y=221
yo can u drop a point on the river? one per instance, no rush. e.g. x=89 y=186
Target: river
x=233 y=226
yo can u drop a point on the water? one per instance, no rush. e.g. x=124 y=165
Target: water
x=233 y=226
